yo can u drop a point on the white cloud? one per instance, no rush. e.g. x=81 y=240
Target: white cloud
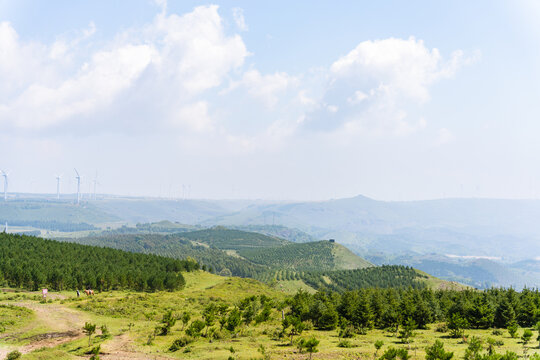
x=357 y=97
x=406 y=66
x=173 y=60
x=96 y=85
x=196 y=51
x=194 y=117
x=376 y=87
x=238 y=16
x=266 y=88
x=182 y=81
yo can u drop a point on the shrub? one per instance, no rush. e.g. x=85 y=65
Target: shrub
x=346 y=333
x=105 y=334
x=345 y=344
x=436 y=352
x=392 y=354
x=526 y=337
x=14 y=355
x=497 y=332
x=195 y=328
x=442 y=328
x=180 y=343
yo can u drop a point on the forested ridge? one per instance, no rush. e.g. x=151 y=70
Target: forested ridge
x=176 y=246
x=315 y=262
x=313 y=256
x=416 y=308
x=32 y=263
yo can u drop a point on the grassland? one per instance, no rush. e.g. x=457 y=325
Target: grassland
x=131 y=318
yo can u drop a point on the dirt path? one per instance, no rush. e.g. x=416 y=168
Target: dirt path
x=121 y=348
x=64 y=325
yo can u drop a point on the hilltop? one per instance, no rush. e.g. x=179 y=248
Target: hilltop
x=313 y=256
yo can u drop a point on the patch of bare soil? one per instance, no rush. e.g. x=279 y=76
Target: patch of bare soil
x=65 y=324
x=121 y=348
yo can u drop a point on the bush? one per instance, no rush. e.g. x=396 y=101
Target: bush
x=105 y=334
x=442 y=328
x=195 y=328
x=14 y=355
x=346 y=333
x=392 y=354
x=436 y=352
x=345 y=344
x=180 y=343
x=497 y=332
x=526 y=337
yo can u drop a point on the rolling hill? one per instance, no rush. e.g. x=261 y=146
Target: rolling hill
x=236 y=252
x=315 y=256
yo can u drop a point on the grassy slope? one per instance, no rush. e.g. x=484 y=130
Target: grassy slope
x=118 y=309
x=440 y=284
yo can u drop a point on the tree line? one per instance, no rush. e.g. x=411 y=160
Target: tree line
x=32 y=263
x=361 y=310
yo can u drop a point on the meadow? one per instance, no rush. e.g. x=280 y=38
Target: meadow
x=129 y=325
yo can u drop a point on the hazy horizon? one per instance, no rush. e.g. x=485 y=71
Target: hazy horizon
x=305 y=101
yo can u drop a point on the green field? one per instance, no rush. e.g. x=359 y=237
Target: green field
x=131 y=318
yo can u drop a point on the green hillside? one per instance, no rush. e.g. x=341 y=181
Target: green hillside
x=314 y=256
x=32 y=263
x=176 y=246
x=236 y=252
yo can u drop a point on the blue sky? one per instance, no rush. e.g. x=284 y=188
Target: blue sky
x=311 y=100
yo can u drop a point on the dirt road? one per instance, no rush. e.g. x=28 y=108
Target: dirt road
x=65 y=324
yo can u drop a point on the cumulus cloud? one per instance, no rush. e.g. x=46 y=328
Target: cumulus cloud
x=378 y=83
x=266 y=88
x=408 y=67
x=184 y=74
x=179 y=57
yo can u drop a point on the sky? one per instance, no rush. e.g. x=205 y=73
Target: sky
x=307 y=100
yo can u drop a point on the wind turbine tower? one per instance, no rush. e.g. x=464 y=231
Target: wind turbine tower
x=95 y=181
x=58 y=177
x=5 y=175
x=78 y=177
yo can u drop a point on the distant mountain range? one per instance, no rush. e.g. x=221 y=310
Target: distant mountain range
x=482 y=242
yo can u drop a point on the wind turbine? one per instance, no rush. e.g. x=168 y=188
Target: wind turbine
x=96 y=182
x=58 y=177
x=78 y=177
x=5 y=174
